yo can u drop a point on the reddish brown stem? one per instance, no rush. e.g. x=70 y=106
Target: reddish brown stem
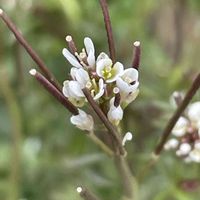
x=136 y=55
x=54 y=91
x=86 y=194
x=188 y=97
x=29 y=49
x=104 y=7
x=105 y=121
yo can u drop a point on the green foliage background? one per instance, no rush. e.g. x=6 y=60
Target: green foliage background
x=42 y=156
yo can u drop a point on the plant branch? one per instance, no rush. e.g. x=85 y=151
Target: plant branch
x=101 y=144
x=129 y=183
x=54 y=91
x=188 y=97
x=104 y=7
x=29 y=49
x=86 y=194
x=105 y=121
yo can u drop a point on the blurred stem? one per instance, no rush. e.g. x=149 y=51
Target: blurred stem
x=129 y=182
x=86 y=194
x=14 y=113
x=100 y=143
x=104 y=7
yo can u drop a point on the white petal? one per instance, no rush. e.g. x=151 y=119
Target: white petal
x=89 y=46
x=185 y=148
x=82 y=77
x=194 y=111
x=91 y=59
x=180 y=128
x=75 y=89
x=195 y=155
x=171 y=144
x=71 y=58
x=83 y=121
x=118 y=69
x=101 y=64
x=128 y=137
x=101 y=90
x=65 y=88
x=101 y=56
x=132 y=73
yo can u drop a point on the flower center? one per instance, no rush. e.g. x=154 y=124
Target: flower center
x=107 y=72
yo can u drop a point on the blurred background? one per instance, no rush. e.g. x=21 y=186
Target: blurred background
x=42 y=155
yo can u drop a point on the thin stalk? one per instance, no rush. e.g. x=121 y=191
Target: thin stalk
x=29 y=49
x=105 y=121
x=170 y=125
x=136 y=55
x=129 y=182
x=54 y=92
x=100 y=143
x=86 y=194
x=104 y=7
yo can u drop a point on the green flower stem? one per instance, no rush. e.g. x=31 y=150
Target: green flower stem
x=100 y=143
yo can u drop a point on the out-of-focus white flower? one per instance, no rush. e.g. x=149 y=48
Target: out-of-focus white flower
x=181 y=127
x=72 y=90
x=171 y=144
x=108 y=71
x=128 y=137
x=197 y=145
x=184 y=149
x=85 y=58
x=194 y=113
x=115 y=114
x=83 y=121
x=195 y=155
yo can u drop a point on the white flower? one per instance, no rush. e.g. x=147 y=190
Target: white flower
x=108 y=71
x=82 y=77
x=87 y=53
x=101 y=56
x=171 y=144
x=83 y=121
x=128 y=137
x=195 y=155
x=181 y=127
x=194 y=113
x=128 y=82
x=72 y=90
x=128 y=85
x=115 y=114
x=71 y=58
x=184 y=149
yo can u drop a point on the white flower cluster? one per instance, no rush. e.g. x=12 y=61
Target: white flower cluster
x=187 y=135
x=110 y=85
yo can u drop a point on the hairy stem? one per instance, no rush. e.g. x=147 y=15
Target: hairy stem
x=104 y=7
x=29 y=49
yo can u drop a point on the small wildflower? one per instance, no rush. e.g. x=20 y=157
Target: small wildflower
x=83 y=121
x=186 y=131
